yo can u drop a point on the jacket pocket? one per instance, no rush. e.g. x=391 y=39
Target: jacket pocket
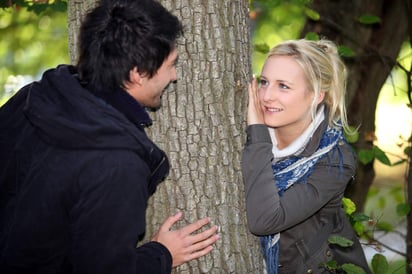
x=313 y=260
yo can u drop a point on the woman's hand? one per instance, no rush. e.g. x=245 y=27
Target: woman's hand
x=184 y=244
x=254 y=111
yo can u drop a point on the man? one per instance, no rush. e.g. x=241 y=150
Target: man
x=76 y=167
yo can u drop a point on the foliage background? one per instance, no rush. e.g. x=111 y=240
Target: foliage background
x=274 y=21
x=32 y=40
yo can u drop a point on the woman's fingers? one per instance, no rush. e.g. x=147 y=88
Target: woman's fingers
x=254 y=113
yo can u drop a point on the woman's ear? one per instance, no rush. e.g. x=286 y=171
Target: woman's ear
x=321 y=97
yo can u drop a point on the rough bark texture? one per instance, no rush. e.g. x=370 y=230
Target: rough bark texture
x=75 y=11
x=201 y=126
x=377 y=47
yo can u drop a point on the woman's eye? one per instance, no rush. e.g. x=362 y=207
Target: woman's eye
x=263 y=82
x=283 y=86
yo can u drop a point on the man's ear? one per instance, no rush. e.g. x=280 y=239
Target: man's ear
x=135 y=77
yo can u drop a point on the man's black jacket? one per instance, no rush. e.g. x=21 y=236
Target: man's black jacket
x=76 y=171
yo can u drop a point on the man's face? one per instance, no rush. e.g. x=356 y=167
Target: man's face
x=148 y=91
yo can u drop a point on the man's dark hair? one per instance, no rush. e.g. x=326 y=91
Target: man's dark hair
x=119 y=35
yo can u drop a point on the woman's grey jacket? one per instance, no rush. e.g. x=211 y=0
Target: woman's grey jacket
x=308 y=212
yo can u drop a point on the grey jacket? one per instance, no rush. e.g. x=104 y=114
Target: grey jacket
x=307 y=213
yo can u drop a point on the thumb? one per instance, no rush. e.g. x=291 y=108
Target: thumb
x=170 y=221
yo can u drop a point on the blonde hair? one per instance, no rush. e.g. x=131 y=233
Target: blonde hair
x=325 y=72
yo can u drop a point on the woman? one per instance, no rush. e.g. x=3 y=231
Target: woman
x=296 y=162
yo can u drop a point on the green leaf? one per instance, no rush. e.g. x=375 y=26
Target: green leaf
x=408 y=151
x=381 y=156
x=348 y=205
x=352 y=269
x=312 y=14
x=365 y=156
x=359 y=228
x=346 y=51
x=398 y=162
x=360 y=217
x=369 y=19
x=262 y=48
x=379 y=264
x=332 y=264
x=403 y=209
x=352 y=136
x=384 y=226
x=313 y=36
x=340 y=241
x=60 y=6
x=38 y=8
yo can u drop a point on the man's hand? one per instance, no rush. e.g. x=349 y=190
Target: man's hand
x=184 y=244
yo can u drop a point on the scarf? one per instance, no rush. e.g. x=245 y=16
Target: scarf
x=295 y=169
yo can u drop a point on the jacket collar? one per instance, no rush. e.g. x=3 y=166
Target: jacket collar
x=126 y=104
x=131 y=108
x=313 y=144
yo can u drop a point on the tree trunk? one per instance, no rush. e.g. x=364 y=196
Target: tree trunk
x=75 y=11
x=201 y=126
x=377 y=47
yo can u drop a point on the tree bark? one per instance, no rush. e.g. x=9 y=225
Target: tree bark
x=377 y=47
x=75 y=12
x=201 y=126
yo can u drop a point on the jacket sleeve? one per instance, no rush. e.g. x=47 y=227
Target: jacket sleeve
x=153 y=257
x=108 y=219
x=269 y=213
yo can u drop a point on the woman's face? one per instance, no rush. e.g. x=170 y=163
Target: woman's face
x=284 y=96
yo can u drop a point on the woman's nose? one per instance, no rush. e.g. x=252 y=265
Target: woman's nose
x=267 y=94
